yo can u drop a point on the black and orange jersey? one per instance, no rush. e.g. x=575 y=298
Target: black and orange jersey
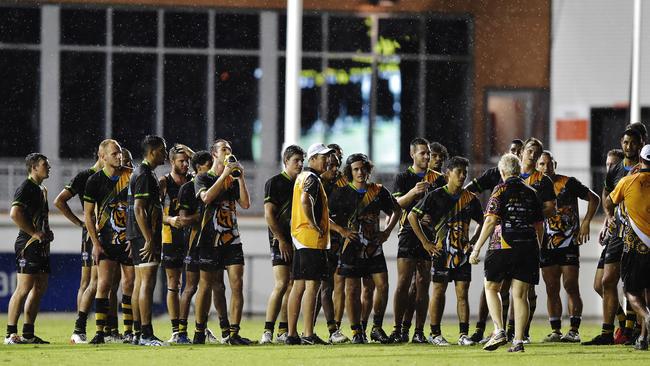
x=486 y=181
x=338 y=182
x=561 y=230
x=359 y=210
x=278 y=190
x=32 y=198
x=405 y=181
x=219 y=219
x=614 y=175
x=518 y=208
x=110 y=196
x=542 y=184
x=188 y=201
x=77 y=185
x=144 y=186
x=170 y=206
x=451 y=216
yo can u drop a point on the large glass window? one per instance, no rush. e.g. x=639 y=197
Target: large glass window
x=135 y=28
x=349 y=34
x=186 y=29
x=20 y=25
x=312 y=33
x=82 y=103
x=134 y=99
x=446 y=105
x=83 y=27
x=448 y=36
x=185 y=100
x=236 y=102
x=237 y=31
x=19 y=102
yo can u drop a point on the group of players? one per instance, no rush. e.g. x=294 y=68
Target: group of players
x=326 y=237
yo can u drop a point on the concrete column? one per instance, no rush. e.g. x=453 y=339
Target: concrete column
x=49 y=94
x=268 y=90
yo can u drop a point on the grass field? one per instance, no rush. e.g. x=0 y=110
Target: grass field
x=57 y=328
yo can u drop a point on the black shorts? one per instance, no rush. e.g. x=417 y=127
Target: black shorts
x=442 y=274
x=32 y=258
x=136 y=245
x=569 y=256
x=613 y=249
x=310 y=264
x=409 y=247
x=635 y=267
x=173 y=255
x=276 y=256
x=116 y=253
x=86 y=249
x=332 y=262
x=353 y=264
x=519 y=264
x=212 y=259
x=191 y=260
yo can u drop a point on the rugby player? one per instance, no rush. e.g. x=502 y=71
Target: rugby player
x=105 y=206
x=634 y=191
x=88 y=282
x=560 y=253
x=144 y=230
x=29 y=211
x=219 y=242
x=517 y=211
x=190 y=209
x=631 y=142
x=410 y=186
x=331 y=294
x=451 y=209
x=173 y=245
x=278 y=194
x=357 y=206
x=310 y=226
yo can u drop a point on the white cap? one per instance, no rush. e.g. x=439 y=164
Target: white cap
x=645 y=153
x=318 y=148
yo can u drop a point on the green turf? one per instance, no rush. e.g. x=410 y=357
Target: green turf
x=57 y=328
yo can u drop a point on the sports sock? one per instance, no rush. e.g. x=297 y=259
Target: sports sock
x=28 y=331
x=224 y=324
x=607 y=328
x=575 y=323
x=80 y=323
x=147 y=331
x=331 y=326
x=137 y=327
x=101 y=308
x=283 y=327
x=182 y=326
x=630 y=320
x=406 y=326
x=556 y=325
x=12 y=329
x=480 y=327
x=127 y=314
x=356 y=329
x=620 y=316
x=377 y=321
x=234 y=330
x=435 y=330
x=463 y=328
x=364 y=325
x=269 y=326
x=174 y=325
